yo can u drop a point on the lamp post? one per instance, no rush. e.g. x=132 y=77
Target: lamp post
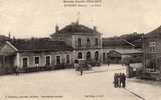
x=144 y=53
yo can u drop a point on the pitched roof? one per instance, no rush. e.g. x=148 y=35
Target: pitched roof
x=155 y=33
x=3 y=39
x=76 y=28
x=116 y=43
x=138 y=43
x=40 y=45
x=126 y=51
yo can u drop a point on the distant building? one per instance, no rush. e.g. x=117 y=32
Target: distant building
x=152 y=53
x=116 y=50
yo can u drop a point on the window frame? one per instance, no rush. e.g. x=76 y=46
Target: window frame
x=49 y=60
x=79 y=42
x=152 y=46
x=78 y=56
x=67 y=59
x=96 y=42
x=56 y=60
x=35 y=62
x=27 y=61
x=88 y=42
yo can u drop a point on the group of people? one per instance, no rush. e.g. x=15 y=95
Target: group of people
x=119 y=80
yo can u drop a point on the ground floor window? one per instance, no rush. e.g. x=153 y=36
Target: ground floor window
x=79 y=55
x=67 y=59
x=104 y=57
x=151 y=65
x=88 y=56
x=57 y=60
x=96 y=55
x=37 y=60
x=24 y=62
x=47 y=60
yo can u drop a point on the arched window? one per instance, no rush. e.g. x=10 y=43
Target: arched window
x=88 y=56
x=88 y=42
x=79 y=42
x=79 y=55
x=96 y=56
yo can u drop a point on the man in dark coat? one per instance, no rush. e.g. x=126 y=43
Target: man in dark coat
x=123 y=80
x=115 y=80
x=119 y=80
x=81 y=70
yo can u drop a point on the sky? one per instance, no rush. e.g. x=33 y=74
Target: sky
x=37 y=18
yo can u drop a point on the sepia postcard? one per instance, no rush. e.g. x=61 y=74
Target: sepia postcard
x=80 y=50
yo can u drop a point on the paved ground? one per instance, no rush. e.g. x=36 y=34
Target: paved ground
x=69 y=85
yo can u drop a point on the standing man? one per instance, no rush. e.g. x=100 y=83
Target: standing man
x=16 y=70
x=119 y=80
x=76 y=65
x=81 y=70
x=108 y=62
x=115 y=82
x=123 y=80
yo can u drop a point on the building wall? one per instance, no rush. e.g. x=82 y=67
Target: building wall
x=92 y=52
x=30 y=56
x=125 y=53
x=152 y=52
x=61 y=37
x=84 y=43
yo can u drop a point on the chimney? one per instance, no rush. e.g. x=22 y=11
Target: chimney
x=95 y=28
x=9 y=35
x=56 y=28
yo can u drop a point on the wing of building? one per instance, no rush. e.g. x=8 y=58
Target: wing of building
x=152 y=53
x=36 y=54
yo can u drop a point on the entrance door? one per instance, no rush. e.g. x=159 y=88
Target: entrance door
x=47 y=60
x=57 y=60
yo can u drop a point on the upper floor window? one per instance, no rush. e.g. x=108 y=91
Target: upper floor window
x=88 y=42
x=152 y=46
x=79 y=42
x=96 y=41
